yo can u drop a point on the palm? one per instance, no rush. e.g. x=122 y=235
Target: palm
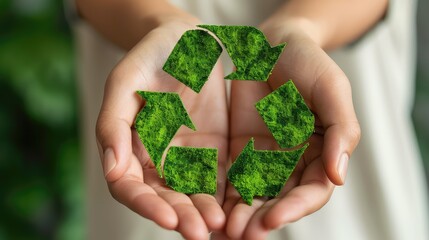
x=136 y=183
x=208 y=110
x=245 y=124
x=311 y=184
x=210 y=119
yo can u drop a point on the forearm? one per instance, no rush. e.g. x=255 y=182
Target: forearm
x=125 y=22
x=330 y=23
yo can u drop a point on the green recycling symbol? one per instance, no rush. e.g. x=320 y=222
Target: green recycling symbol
x=193 y=170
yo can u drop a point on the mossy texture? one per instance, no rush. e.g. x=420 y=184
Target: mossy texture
x=287 y=116
x=249 y=50
x=158 y=122
x=193 y=58
x=191 y=170
x=262 y=172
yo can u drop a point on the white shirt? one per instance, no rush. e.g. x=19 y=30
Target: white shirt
x=385 y=195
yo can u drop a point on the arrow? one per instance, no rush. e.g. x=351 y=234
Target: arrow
x=191 y=170
x=262 y=172
x=249 y=50
x=287 y=116
x=193 y=58
x=158 y=122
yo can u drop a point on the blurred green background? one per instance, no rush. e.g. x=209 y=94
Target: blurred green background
x=421 y=105
x=41 y=185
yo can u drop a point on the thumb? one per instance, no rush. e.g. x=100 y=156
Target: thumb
x=332 y=99
x=113 y=129
x=339 y=142
x=114 y=143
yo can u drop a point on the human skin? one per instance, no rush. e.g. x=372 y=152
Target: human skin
x=149 y=30
x=130 y=174
x=324 y=163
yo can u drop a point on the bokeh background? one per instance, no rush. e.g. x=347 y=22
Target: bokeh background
x=41 y=186
x=41 y=171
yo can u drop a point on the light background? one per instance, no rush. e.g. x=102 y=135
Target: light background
x=41 y=186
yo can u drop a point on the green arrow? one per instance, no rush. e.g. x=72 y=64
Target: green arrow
x=262 y=172
x=158 y=122
x=287 y=116
x=193 y=58
x=249 y=50
x=191 y=170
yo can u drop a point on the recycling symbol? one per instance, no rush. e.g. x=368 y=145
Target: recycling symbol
x=193 y=170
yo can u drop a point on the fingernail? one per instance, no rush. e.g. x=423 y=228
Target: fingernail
x=342 y=166
x=109 y=161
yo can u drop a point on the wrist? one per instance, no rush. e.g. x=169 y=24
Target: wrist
x=172 y=26
x=287 y=29
x=126 y=22
x=172 y=18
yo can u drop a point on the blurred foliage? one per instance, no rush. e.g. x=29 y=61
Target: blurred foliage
x=421 y=116
x=41 y=185
x=421 y=106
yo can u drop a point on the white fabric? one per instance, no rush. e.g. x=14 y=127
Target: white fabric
x=385 y=196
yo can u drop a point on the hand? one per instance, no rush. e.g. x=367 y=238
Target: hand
x=130 y=174
x=327 y=92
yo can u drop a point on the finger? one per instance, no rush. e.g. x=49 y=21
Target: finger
x=219 y=236
x=141 y=199
x=340 y=141
x=131 y=191
x=331 y=97
x=240 y=216
x=256 y=228
x=114 y=141
x=191 y=224
x=312 y=153
x=342 y=132
x=232 y=197
x=114 y=123
x=210 y=210
x=313 y=193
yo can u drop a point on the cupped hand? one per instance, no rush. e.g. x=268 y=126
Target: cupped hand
x=131 y=176
x=327 y=92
